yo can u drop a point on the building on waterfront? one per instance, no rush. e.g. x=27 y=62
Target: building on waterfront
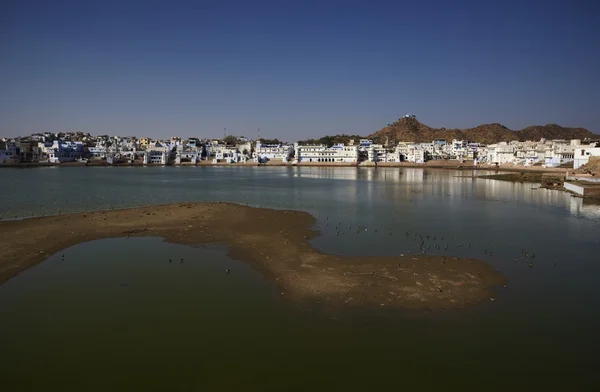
x=156 y=157
x=60 y=151
x=378 y=153
x=319 y=153
x=98 y=151
x=500 y=153
x=9 y=153
x=584 y=153
x=274 y=151
x=157 y=153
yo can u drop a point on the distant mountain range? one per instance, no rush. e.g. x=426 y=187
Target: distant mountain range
x=409 y=129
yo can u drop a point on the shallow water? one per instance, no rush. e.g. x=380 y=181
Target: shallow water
x=117 y=313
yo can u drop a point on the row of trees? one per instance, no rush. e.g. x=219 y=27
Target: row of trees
x=331 y=140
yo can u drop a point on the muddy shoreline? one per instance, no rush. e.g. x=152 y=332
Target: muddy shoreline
x=276 y=242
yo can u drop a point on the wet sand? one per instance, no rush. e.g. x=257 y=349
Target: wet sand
x=276 y=242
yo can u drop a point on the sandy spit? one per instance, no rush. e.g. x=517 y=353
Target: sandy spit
x=276 y=242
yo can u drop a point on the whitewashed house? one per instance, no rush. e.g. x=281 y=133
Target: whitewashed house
x=401 y=151
x=320 y=153
x=561 y=152
x=157 y=153
x=98 y=151
x=63 y=151
x=364 y=144
x=500 y=153
x=377 y=153
x=416 y=154
x=583 y=153
x=275 y=152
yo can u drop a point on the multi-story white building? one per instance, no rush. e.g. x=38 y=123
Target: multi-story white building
x=377 y=153
x=561 y=152
x=219 y=151
x=583 y=153
x=276 y=152
x=416 y=154
x=98 y=151
x=500 y=153
x=157 y=153
x=463 y=149
x=364 y=144
x=401 y=150
x=63 y=151
x=320 y=153
x=229 y=156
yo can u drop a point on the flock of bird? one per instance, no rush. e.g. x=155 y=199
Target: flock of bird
x=424 y=243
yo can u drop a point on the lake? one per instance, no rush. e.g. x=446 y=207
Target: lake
x=116 y=314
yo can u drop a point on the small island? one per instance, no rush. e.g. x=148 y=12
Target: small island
x=276 y=242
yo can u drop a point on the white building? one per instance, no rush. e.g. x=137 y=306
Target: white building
x=364 y=144
x=377 y=153
x=584 y=153
x=229 y=156
x=156 y=157
x=561 y=152
x=98 y=151
x=157 y=154
x=187 y=156
x=416 y=154
x=63 y=151
x=219 y=150
x=275 y=152
x=463 y=149
x=320 y=153
x=500 y=153
x=401 y=150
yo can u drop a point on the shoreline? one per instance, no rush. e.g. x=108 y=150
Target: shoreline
x=452 y=165
x=276 y=242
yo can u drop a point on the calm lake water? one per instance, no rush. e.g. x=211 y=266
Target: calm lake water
x=116 y=314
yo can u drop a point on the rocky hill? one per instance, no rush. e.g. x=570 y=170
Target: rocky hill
x=411 y=130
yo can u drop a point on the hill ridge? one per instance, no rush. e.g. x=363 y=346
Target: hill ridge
x=410 y=129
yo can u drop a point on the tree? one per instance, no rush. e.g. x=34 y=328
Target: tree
x=230 y=139
x=269 y=141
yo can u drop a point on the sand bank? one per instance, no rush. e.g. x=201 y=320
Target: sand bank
x=276 y=242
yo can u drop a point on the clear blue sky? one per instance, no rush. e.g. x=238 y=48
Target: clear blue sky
x=296 y=69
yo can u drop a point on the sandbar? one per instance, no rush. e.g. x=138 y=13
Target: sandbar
x=275 y=242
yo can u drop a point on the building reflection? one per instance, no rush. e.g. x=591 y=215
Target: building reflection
x=584 y=208
x=449 y=187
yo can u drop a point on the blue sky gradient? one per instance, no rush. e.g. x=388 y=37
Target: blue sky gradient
x=295 y=69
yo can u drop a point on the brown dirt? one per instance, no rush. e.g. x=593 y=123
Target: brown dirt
x=592 y=167
x=275 y=242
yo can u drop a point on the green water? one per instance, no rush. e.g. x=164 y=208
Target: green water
x=117 y=315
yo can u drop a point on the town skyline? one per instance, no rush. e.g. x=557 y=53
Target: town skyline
x=310 y=68
x=259 y=133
